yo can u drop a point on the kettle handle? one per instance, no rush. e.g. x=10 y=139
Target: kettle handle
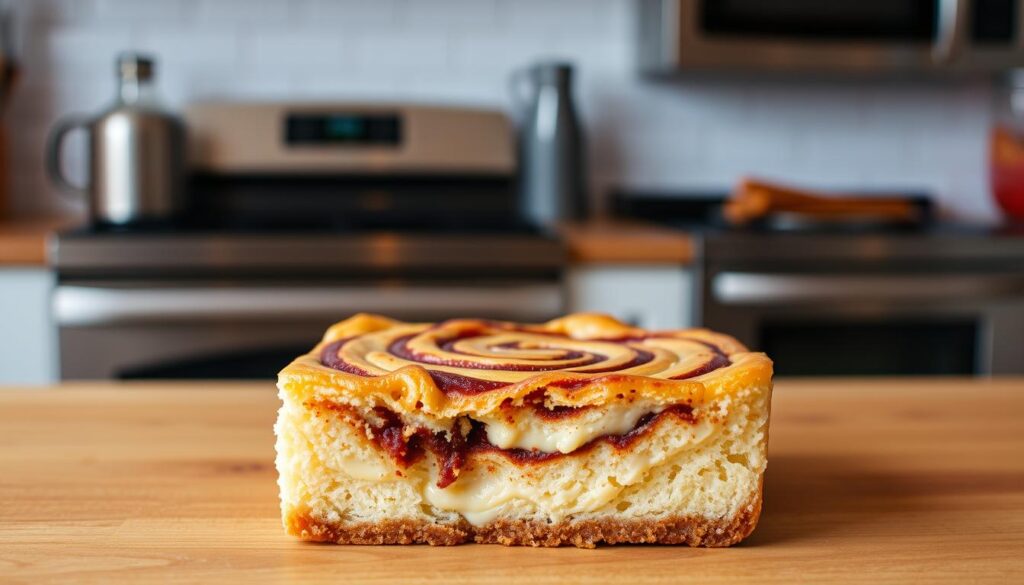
x=53 y=156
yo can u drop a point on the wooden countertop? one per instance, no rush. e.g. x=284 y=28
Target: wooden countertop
x=868 y=481
x=626 y=242
x=23 y=241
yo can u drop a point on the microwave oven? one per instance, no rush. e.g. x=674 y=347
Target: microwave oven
x=842 y=36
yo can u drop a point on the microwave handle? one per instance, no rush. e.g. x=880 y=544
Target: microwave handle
x=950 y=32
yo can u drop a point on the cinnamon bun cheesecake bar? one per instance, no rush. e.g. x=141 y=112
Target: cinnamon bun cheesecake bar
x=578 y=431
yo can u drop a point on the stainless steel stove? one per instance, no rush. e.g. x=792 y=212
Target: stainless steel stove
x=929 y=302
x=860 y=299
x=241 y=305
x=321 y=212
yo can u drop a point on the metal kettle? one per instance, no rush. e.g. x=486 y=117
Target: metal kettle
x=136 y=153
x=552 y=176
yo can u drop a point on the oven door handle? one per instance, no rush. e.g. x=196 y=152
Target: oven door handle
x=752 y=288
x=76 y=305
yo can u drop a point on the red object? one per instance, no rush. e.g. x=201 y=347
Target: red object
x=1007 y=171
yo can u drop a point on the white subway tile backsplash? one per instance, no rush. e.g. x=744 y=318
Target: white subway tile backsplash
x=165 y=12
x=78 y=50
x=315 y=51
x=44 y=12
x=345 y=17
x=400 y=51
x=579 y=18
x=659 y=172
x=204 y=47
x=751 y=145
x=448 y=14
x=663 y=135
x=483 y=89
x=248 y=83
x=597 y=57
x=79 y=96
x=277 y=12
x=350 y=85
x=978 y=208
x=482 y=51
x=713 y=103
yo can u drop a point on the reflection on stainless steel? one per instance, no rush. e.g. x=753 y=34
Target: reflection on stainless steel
x=951 y=28
x=959 y=248
x=755 y=288
x=80 y=305
x=289 y=253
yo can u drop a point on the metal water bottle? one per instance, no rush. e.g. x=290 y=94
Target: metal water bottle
x=552 y=184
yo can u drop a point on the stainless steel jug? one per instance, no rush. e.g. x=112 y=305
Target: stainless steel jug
x=136 y=153
x=552 y=179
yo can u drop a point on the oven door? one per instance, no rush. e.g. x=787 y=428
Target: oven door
x=874 y=324
x=810 y=35
x=189 y=330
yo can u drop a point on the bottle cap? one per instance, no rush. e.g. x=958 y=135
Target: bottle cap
x=135 y=66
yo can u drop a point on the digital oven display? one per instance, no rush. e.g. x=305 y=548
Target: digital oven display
x=343 y=129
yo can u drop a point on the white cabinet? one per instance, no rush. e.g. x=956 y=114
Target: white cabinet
x=652 y=296
x=28 y=348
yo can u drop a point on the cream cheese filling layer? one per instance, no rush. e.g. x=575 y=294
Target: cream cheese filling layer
x=525 y=430
x=522 y=429
x=482 y=495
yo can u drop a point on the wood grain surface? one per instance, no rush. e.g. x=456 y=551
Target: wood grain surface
x=626 y=242
x=23 y=241
x=868 y=481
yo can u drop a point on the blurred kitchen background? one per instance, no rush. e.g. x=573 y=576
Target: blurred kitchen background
x=307 y=159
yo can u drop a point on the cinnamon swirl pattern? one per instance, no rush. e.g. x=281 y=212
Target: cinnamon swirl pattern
x=474 y=356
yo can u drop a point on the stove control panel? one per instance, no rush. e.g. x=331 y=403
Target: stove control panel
x=340 y=128
x=348 y=138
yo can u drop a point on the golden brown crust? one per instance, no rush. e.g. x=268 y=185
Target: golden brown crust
x=413 y=388
x=690 y=530
x=304 y=525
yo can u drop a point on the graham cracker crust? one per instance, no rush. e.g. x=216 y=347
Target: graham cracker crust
x=690 y=530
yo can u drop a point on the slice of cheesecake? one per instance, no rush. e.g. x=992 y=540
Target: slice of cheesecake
x=577 y=431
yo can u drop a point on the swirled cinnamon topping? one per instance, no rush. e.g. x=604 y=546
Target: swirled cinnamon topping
x=474 y=366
